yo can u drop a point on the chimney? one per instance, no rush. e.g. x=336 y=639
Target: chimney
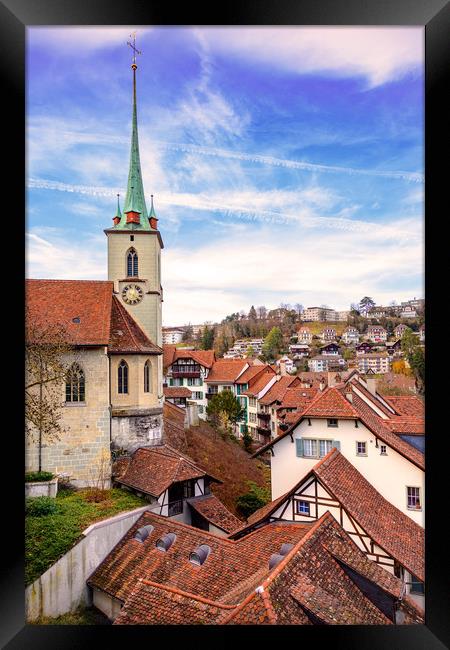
x=371 y=385
x=322 y=383
x=332 y=378
x=283 y=372
x=191 y=415
x=349 y=396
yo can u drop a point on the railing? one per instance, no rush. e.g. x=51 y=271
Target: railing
x=209 y=395
x=264 y=416
x=263 y=430
x=175 y=508
x=186 y=373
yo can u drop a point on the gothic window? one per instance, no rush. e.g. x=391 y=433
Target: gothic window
x=132 y=263
x=122 y=376
x=147 y=376
x=75 y=384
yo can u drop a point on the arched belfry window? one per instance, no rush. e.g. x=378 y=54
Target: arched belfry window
x=147 y=377
x=122 y=377
x=132 y=263
x=75 y=384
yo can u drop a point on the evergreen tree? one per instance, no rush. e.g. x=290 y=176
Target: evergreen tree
x=273 y=343
x=252 y=313
x=207 y=339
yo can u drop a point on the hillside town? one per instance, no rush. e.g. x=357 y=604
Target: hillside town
x=268 y=469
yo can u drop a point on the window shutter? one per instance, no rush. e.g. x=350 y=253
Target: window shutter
x=337 y=444
x=299 y=446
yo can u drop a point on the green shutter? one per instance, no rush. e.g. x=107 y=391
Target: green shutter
x=299 y=446
x=337 y=444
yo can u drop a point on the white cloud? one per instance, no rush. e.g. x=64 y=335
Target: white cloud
x=82 y=39
x=379 y=54
x=244 y=267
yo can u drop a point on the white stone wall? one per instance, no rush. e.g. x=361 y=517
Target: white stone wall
x=62 y=588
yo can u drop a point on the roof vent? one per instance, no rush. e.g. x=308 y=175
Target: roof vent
x=274 y=560
x=166 y=541
x=200 y=554
x=77 y=319
x=285 y=548
x=142 y=533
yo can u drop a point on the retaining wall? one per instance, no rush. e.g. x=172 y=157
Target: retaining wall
x=62 y=588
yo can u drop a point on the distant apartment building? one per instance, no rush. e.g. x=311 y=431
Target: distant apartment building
x=417 y=303
x=241 y=348
x=408 y=311
x=376 y=334
x=197 y=329
x=172 y=336
x=342 y=315
x=377 y=312
x=318 y=314
x=326 y=362
x=350 y=335
x=375 y=363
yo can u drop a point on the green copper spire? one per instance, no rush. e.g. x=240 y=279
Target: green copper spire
x=152 y=210
x=118 y=212
x=134 y=198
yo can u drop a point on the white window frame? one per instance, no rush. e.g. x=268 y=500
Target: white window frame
x=361 y=453
x=410 y=507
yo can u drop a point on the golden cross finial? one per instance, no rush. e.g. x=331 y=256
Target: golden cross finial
x=135 y=50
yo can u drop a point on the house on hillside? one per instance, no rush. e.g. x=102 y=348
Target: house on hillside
x=363 y=348
x=350 y=335
x=326 y=362
x=387 y=536
x=399 y=330
x=175 y=487
x=376 y=334
x=364 y=426
x=422 y=333
x=172 y=336
x=330 y=349
x=187 y=370
x=328 y=334
x=299 y=350
x=304 y=335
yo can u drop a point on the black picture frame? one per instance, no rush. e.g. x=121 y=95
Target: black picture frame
x=15 y=16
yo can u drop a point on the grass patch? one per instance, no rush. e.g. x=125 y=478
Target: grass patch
x=48 y=537
x=82 y=616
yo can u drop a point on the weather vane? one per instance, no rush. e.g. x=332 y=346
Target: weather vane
x=135 y=50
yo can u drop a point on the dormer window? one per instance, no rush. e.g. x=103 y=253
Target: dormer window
x=132 y=263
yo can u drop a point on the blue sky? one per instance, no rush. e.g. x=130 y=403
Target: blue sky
x=286 y=163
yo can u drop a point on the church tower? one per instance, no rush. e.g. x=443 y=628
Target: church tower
x=134 y=246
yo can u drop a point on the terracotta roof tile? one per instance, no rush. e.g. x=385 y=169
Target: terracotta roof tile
x=176 y=391
x=278 y=390
x=153 y=469
x=330 y=404
x=61 y=301
x=406 y=404
x=126 y=336
x=214 y=511
x=226 y=370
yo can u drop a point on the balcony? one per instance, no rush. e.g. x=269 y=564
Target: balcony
x=209 y=395
x=265 y=431
x=265 y=417
x=185 y=372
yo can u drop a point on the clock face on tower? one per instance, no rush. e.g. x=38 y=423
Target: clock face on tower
x=132 y=294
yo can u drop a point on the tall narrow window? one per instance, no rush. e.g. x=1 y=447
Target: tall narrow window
x=122 y=377
x=147 y=381
x=132 y=263
x=75 y=384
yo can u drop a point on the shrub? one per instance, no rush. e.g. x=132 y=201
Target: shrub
x=31 y=477
x=40 y=506
x=247 y=440
x=96 y=495
x=255 y=498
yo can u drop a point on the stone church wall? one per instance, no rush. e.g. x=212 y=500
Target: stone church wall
x=87 y=426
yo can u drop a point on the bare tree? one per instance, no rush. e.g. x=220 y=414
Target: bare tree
x=46 y=345
x=261 y=311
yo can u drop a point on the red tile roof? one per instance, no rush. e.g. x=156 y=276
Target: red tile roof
x=102 y=318
x=253 y=373
x=235 y=585
x=330 y=403
x=205 y=358
x=406 y=404
x=392 y=530
x=153 y=469
x=260 y=383
x=278 y=390
x=226 y=370
x=126 y=337
x=60 y=301
x=176 y=391
x=298 y=397
x=214 y=511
